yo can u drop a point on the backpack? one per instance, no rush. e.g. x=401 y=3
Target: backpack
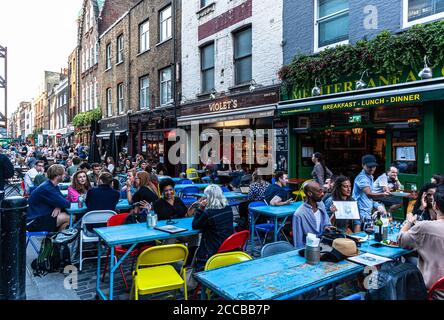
x=54 y=253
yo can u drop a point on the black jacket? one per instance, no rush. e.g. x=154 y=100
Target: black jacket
x=6 y=170
x=102 y=197
x=216 y=226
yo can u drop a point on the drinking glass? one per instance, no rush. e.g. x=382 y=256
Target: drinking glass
x=369 y=229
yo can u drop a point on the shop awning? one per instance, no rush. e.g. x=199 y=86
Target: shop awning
x=244 y=113
x=402 y=94
x=105 y=134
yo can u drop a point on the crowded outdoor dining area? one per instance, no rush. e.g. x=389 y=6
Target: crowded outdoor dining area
x=221 y=232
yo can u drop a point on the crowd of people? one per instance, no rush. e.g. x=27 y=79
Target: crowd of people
x=148 y=188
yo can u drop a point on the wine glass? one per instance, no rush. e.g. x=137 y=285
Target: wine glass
x=369 y=229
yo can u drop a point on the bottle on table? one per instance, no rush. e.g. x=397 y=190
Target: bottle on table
x=378 y=227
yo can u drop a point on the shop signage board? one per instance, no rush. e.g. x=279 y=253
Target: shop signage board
x=345 y=103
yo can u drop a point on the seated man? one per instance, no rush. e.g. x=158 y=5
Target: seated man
x=389 y=182
x=31 y=174
x=45 y=204
x=312 y=216
x=427 y=237
x=275 y=194
x=103 y=197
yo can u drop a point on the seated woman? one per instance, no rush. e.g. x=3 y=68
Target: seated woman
x=130 y=184
x=342 y=190
x=169 y=206
x=214 y=217
x=143 y=191
x=79 y=186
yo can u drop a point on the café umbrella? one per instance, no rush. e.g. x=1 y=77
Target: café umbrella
x=93 y=155
x=112 y=148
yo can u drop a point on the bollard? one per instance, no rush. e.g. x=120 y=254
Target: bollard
x=13 y=248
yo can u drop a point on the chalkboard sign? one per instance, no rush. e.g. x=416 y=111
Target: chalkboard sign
x=281 y=132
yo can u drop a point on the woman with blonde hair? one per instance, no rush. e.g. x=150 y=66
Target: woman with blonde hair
x=214 y=217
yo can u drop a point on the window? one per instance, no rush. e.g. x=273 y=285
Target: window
x=144 y=37
x=91 y=56
x=242 y=56
x=165 y=86
x=88 y=96
x=109 y=102
x=144 y=93
x=204 y=3
x=97 y=93
x=207 y=67
x=92 y=95
x=420 y=11
x=97 y=53
x=331 y=22
x=108 y=56
x=83 y=61
x=120 y=49
x=120 y=106
x=165 y=24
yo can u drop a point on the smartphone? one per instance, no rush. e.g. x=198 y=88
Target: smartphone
x=377 y=245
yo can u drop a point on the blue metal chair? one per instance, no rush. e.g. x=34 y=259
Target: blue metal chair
x=30 y=234
x=225 y=189
x=187 y=195
x=265 y=228
x=276 y=247
x=355 y=296
x=185 y=181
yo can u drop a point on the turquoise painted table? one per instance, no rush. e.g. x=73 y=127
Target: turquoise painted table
x=229 y=195
x=179 y=187
x=280 y=276
x=175 y=180
x=274 y=212
x=132 y=234
x=383 y=251
x=75 y=210
x=64 y=192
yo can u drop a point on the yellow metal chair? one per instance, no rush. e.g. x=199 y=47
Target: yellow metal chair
x=192 y=174
x=154 y=272
x=225 y=259
x=300 y=193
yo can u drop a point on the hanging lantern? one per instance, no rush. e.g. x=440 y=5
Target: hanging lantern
x=361 y=84
x=380 y=132
x=426 y=73
x=316 y=91
x=357 y=131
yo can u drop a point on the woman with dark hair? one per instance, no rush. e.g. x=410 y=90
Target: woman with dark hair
x=161 y=170
x=168 y=206
x=110 y=164
x=342 y=190
x=128 y=165
x=423 y=208
x=79 y=186
x=320 y=171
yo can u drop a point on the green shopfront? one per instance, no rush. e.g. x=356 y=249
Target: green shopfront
x=400 y=121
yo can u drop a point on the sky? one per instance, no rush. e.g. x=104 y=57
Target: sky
x=39 y=35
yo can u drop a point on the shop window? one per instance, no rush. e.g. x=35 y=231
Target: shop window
x=331 y=23
x=243 y=56
x=207 y=67
x=405 y=151
x=421 y=11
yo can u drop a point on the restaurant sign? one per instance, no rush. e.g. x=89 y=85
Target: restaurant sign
x=373 y=81
x=347 y=104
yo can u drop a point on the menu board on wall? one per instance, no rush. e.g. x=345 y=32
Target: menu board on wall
x=281 y=144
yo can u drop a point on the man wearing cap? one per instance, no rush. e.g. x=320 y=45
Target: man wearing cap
x=362 y=190
x=312 y=216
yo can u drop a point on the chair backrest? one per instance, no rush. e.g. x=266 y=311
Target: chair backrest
x=186 y=181
x=225 y=189
x=355 y=296
x=192 y=173
x=163 y=254
x=117 y=219
x=189 y=190
x=235 y=242
x=97 y=216
x=226 y=259
x=276 y=247
x=437 y=286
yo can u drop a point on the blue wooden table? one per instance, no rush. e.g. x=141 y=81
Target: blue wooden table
x=280 y=276
x=179 y=187
x=64 y=192
x=64 y=185
x=175 y=180
x=132 y=234
x=75 y=210
x=274 y=212
x=384 y=251
x=230 y=195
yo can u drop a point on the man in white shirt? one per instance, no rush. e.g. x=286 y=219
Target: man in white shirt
x=389 y=182
x=31 y=174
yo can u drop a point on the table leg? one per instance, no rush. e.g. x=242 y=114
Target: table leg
x=111 y=273
x=275 y=229
x=70 y=221
x=252 y=222
x=99 y=254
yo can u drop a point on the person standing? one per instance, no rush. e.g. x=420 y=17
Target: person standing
x=320 y=171
x=363 y=192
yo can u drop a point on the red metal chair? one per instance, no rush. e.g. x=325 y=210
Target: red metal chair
x=234 y=242
x=437 y=286
x=118 y=220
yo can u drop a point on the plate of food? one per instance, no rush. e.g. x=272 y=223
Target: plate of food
x=390 y=243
